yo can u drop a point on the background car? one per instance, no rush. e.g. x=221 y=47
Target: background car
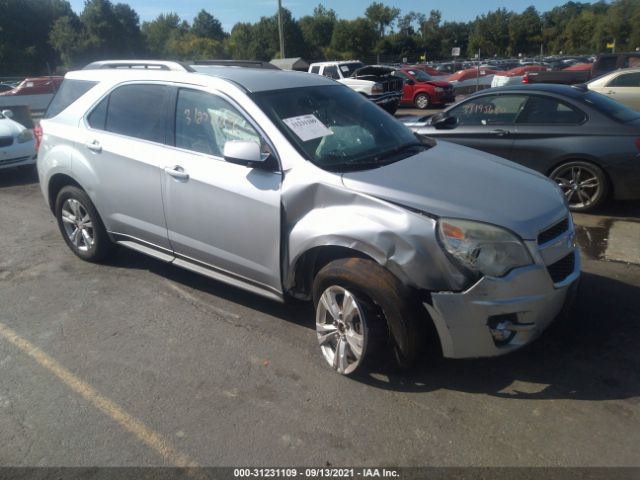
x=422 y=90
x=621 y=85
x=586 y=142
x=515 y=75
x=17 y=145
x=466 y=81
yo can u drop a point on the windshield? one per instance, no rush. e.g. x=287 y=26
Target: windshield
x=347 y=69
x=420 y=75
x=336 y=128
x=610 y=108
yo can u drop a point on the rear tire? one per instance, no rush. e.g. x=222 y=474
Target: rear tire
x=363 y=313
x=585 y=185
x=81 y=226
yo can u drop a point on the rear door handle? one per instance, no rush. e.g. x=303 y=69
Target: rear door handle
x=611 y=92
x=177 y=172
x=94 y=146
x=500 y=133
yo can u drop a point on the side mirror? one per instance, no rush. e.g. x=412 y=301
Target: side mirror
x=7 y=113
x=410 y=82
x=243 y=153
x=442 y=121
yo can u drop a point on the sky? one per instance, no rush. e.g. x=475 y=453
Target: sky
x=230 y=12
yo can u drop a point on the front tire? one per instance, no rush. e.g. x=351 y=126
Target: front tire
x=422 y=101
x=81 y=226
x=585 y=185
x=363 y=313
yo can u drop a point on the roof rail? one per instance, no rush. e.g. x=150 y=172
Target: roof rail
x=139 y=64
x=236 y=63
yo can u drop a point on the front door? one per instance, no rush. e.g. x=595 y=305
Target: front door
x=221 y=215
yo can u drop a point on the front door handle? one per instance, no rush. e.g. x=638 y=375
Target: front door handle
x=94 y=146
x=177 y=172
x=611 y=92
x=500 y=133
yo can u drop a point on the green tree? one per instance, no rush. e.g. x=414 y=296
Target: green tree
x=207 y=26
x=381 y=16
x=158 y=32
x=353 y=38
x=317 y=30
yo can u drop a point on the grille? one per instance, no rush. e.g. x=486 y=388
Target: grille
x=6 y=141
x=553 y=231
x=562 y=268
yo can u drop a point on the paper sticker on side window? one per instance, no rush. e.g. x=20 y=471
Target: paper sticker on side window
x=344 y=68
x=307 y=127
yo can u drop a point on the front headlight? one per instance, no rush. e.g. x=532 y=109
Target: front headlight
x=24 y=136
x=439 y=89
x=481 y=248
x=377 y=88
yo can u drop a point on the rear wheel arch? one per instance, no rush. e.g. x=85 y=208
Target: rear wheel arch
x=56 y=183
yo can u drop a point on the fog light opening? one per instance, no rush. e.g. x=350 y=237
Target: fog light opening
x=502 y=328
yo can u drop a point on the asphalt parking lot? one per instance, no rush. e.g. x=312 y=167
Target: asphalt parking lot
x=140 y=363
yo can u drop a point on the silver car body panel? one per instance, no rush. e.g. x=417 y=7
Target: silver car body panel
x=251 y=227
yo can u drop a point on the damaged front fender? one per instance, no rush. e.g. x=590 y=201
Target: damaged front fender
x=327 y=214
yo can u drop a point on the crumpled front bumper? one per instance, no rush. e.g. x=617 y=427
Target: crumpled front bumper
x=527 y=296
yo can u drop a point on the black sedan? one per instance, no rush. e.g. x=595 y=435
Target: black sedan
x=586 y=142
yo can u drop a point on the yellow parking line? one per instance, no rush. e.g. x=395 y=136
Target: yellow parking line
x=146 y=435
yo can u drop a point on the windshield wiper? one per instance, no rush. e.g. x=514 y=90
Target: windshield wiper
x=377 y=161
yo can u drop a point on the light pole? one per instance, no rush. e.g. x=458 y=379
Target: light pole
x=280 y=29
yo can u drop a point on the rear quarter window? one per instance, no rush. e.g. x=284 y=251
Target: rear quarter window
x=70 y=91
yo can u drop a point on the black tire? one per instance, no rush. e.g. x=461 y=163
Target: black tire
x=388 y=312
x=422 y=101
x=391 y=108
x=90 y=223
x=584 y=184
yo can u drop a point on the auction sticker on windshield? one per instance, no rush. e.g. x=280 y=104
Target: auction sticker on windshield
x=307 y=127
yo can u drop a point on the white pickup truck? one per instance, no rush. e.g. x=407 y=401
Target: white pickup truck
x=371 y=81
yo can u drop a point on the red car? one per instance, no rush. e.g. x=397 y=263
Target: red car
x=422 y=90
x=35 y=86
x=426 y=69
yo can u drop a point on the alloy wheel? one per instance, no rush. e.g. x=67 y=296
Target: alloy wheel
x=77 y=225
x=581 y=186
x=341 y=329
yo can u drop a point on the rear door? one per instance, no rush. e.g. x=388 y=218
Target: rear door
x=624 y=88
x=486 y=123
x=223 y=216
x=125 y=144
x=546 y=129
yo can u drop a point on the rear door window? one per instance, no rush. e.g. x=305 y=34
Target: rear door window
x=138 y=111
x=549 y=110
x=70 y=91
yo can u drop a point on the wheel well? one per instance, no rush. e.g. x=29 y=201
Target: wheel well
x=585 y=160
x=312 y=261
x=57 y=183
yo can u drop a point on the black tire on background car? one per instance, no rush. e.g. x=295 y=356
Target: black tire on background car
x=422 y=101
x=585 y=185
x=81 y=226
x=363 y=314
x=391 y=108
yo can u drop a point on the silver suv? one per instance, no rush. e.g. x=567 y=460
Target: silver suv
x=288 y=184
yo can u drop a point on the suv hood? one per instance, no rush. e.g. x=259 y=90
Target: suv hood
x=450 y=180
